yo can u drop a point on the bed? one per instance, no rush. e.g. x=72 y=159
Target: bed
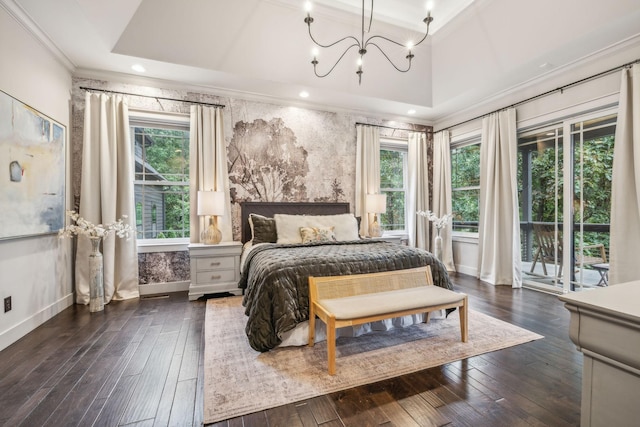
x=275 y=266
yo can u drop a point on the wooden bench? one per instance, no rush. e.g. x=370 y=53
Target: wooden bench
x=361 y=298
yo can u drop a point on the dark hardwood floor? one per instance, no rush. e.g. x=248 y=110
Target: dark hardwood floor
x=139 y=363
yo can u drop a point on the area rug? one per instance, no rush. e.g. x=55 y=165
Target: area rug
x=239 y=380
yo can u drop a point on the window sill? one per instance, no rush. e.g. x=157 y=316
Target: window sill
x=465 y=237
x=163 y=245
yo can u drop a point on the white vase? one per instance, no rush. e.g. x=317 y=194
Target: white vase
x=438 y=246
x=96 y=284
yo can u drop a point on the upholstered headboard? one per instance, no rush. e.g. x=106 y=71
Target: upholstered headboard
x=269 y=209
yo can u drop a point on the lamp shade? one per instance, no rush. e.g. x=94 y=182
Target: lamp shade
x=211 y=203
x=376 y=203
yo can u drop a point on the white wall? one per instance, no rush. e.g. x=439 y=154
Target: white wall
x=34 y=271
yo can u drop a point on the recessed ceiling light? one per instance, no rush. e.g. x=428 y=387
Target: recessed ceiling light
x=304 y=94
x=412 y=111
x=139 y=68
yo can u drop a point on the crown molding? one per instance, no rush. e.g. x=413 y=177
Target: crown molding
x=25 y=21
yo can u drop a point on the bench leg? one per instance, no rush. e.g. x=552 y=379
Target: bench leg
x=331 y=345
x=312 y=325
x=464 y=320
x=427 y=317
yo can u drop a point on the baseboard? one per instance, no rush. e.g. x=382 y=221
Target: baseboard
x=13 y=334
x=163 y=288
x=465 y=269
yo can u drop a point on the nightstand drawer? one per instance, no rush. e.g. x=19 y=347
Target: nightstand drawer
x=216 y=276
x=217 y=263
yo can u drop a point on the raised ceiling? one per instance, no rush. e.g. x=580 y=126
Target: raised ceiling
x=260 y=48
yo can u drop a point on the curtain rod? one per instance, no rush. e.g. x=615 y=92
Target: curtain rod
x=151 y=96
x=549 y=92
x=391 y=127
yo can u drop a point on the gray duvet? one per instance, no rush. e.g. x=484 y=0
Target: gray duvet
x=275 y=279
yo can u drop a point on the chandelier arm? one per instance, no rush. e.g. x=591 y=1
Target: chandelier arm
x=334 y=65
x=423 y=38
x=392 y=41
x=334 y=43
x=390 y=61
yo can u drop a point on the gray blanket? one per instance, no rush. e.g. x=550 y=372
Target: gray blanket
x=275 y=279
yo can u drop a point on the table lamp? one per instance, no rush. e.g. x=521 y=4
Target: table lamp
x=211 y=203
x=376 y=203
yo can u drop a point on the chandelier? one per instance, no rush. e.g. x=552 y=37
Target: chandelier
x=363 y=44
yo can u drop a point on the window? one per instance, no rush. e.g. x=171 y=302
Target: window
x=393 y=183
x=161 y=156
x=465 y=186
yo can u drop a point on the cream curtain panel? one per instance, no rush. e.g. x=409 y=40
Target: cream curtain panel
x=625 y=185
x=367 y=171
x=418 y=186
x=442 y=192
x=106 y=194
x=499 y=259
x=208 y=169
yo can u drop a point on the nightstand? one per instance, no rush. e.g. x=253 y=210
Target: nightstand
x=214 y=268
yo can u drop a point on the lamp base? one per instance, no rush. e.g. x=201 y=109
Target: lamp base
x=211 y=235
x=374 y=228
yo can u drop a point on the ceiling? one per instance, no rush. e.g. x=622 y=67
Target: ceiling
x=260 y=49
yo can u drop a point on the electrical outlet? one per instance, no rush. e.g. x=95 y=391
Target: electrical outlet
x=7 y=304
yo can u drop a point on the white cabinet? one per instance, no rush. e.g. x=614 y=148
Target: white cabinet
x=214 y=268
x=605 y=326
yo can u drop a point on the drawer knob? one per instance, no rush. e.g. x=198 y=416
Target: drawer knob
x=215 y=264
x=216 y=277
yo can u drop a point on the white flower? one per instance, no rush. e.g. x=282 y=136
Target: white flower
x=82 y=226
x=438 y=223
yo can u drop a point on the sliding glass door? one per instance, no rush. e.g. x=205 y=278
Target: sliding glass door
x=565 y=173
x=541 y=159
x=592 y=150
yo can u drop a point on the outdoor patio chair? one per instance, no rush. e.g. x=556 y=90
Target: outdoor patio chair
x=545 y=235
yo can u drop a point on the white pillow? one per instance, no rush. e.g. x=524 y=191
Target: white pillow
x=288 y=226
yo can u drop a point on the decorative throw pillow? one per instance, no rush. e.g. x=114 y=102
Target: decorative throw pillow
x=263 y=229
x=288 y=226
x=317 y=234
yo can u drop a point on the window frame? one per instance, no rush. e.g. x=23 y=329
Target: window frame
x=169 y=121
x=399 y=145
x=474 y=139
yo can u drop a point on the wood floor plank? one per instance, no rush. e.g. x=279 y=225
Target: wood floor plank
x=114 y=406
x=323 y=409
x=183 y=404
x=146 y=398
x=355 y=408
x=284 y=416
x=306 y=416
x=169 y=393
x=395 y=413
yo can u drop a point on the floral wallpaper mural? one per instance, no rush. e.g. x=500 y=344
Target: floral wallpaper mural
x=266 y=162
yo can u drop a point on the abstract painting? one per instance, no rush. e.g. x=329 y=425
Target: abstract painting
x=32 y=181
